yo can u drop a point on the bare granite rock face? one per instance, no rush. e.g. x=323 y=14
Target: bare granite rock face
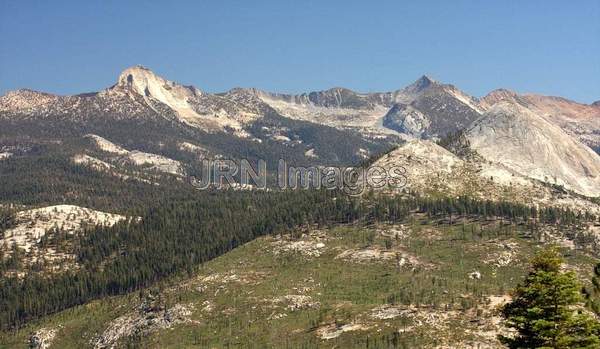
x=32 y=225
x=432 y=169
x=150 y=316
x=533 y=147
x=139 y=93
x=42 y=338
x=581 y=121
x=425 y=108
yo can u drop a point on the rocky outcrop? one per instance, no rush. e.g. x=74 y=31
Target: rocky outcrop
x=581 y=121
x=530 y=145
x=42 y=338
x=149 y=317
x=32 y=225
x=147 y=161
x=406 y=119
x=34 y=228
x=191 y=105
x=433 y=170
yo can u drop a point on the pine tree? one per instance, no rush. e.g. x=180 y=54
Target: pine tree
x=593 y=294
x=545 y=308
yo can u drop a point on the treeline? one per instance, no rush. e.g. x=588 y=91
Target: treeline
x=177 y=236
x=504 y=209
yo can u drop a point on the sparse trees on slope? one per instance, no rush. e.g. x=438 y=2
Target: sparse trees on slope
x=175 y=236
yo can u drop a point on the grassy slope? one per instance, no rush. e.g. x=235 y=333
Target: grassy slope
x=233 y=298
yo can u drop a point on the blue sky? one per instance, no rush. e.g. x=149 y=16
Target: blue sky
x=66 y=47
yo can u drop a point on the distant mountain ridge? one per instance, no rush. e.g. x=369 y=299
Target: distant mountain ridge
x=382 y=111
x=233 y=122
x=139 y=91
x=425 y=108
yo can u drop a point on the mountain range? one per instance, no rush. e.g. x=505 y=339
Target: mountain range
x=425 y=108
x=97 y=201
x=549 y=139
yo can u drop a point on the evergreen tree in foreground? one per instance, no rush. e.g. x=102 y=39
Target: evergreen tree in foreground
x=546 y=309
x=593 y=294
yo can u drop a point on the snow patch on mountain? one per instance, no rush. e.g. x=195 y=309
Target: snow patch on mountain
x=281 y=138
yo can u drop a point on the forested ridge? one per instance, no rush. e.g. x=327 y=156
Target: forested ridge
x=175 y=237
x=162 y=136
x=46 y=175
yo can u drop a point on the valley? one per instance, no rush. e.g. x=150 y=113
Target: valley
x=106 y=243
